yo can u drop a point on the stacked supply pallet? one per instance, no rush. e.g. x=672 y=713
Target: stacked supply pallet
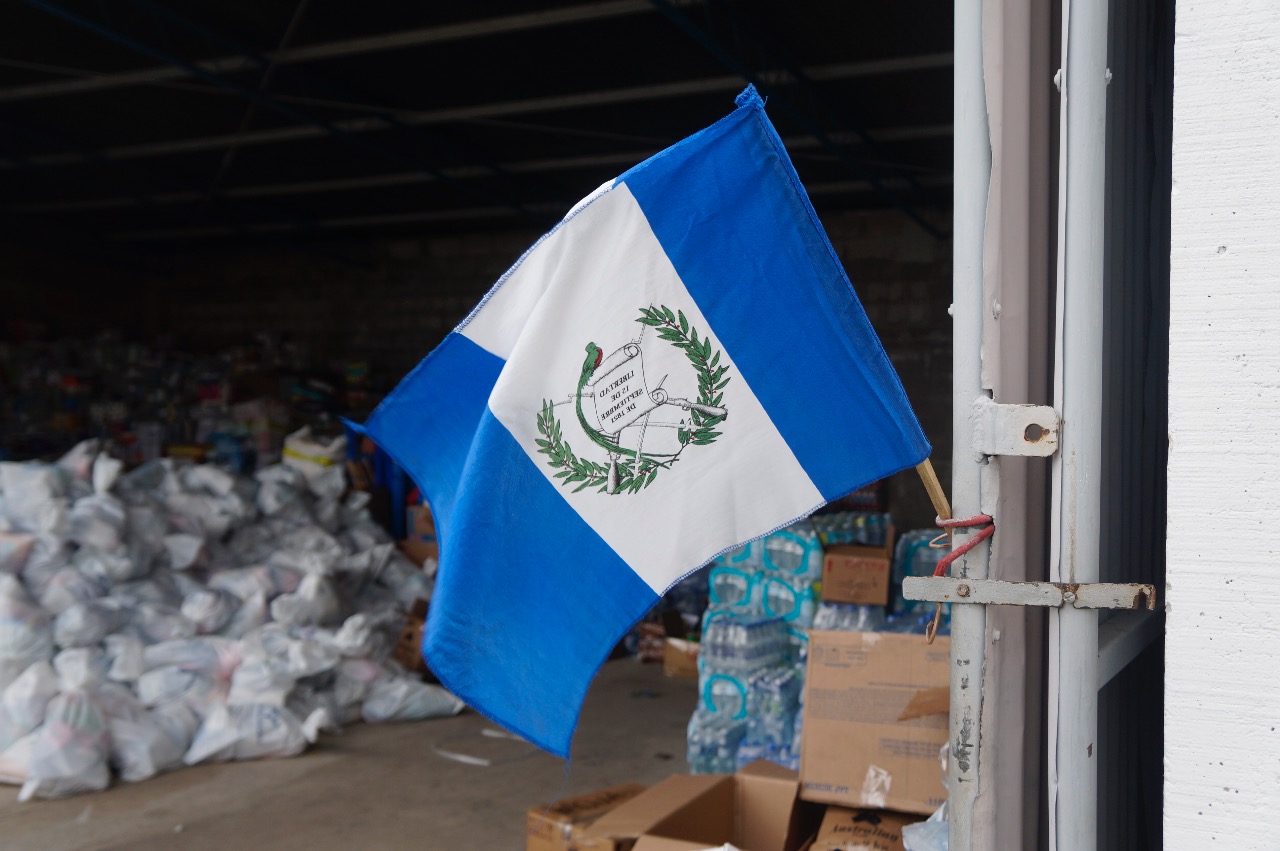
x=751 y=672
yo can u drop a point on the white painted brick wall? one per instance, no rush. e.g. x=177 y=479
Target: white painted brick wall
x=1222 y=712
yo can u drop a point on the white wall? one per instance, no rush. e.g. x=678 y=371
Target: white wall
x=1222 y=712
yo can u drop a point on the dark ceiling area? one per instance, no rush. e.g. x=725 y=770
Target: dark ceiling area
x=163 y=125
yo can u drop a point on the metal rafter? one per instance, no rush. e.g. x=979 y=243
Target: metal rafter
x=781 y=58
x=731 y=61
x=339 y=49
x=233 y=224
x=845 y=187
x=320 y=126
x=500 y=109
x=403 y=178
x=200 y=30
x=264 y=83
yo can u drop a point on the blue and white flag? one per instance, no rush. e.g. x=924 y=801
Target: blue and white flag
x=679 y=367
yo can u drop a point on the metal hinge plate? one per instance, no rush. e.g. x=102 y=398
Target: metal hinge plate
x=998 y=429
x=997 y=592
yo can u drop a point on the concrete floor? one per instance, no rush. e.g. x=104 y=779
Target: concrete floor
x=381 y=787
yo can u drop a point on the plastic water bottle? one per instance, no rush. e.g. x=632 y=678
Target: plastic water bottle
x=734 y=648
x=912 y=557
x=866 y=528
x=791 y=598
x=749 y=556
x=916 y=620
x=733 y=588
x=713 y=743
x=797 y=646
x=794 y=551
x=774 y=703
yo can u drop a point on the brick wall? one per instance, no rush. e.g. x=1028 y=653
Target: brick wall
x=903 y=278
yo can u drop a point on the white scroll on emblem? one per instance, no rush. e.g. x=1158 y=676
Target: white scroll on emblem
x=620 y=392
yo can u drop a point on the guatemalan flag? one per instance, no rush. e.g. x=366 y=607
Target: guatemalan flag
x=679 y=367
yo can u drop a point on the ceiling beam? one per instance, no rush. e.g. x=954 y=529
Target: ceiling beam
x=550 y=103
x=801 y=116
x=844 y=187
x=338 y=49
x=318 y=125
x=622 y=159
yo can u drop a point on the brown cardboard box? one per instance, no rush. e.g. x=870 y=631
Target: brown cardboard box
x=419 y=543
x=408 y=650
x=418 y=522
x=857 y=574
x=418 y=550
x=561 y=826
x=873 y=723
x=861 y=830
x=652 y=644
x=680 y=658
x=755 y=809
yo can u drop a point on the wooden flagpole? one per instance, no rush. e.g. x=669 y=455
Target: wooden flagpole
x=934 y=488
x=939 y=499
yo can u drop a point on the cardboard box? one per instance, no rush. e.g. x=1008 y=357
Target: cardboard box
x=419 y=523
x=651 y=646
x=680 y=658
x=418 y=551
x=875 y=718
x=857 y=574
x=861 y=830
x=561 y=827
x=420 y=542
x=755 y=809
x=408 y=650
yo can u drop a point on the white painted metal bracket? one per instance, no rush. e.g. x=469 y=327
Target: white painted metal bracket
x=997 y=592
x=1030 y=430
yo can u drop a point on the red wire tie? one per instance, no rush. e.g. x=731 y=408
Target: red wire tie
x=984 y=520
x=987 y=522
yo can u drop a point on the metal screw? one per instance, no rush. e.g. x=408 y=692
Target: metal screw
x=963 y=590
x=1069 y=597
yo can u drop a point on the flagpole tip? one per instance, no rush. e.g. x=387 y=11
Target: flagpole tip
x=749 y=97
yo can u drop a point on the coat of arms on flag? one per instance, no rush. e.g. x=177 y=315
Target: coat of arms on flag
x=679 y=367
x=641 y=427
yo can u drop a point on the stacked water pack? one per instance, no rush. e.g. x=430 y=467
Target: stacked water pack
x=865 y=528
x=913 y=556
x=763 y=597
x=737 y=649
x=773 y=717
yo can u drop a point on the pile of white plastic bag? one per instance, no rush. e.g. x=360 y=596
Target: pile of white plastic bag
x=178 y=614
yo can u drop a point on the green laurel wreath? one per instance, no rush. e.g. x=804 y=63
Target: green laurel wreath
x=673 y=327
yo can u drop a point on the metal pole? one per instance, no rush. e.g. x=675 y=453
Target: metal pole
x=972 y=171
x=1077 y=468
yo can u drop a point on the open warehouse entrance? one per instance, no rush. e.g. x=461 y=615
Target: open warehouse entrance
x=227 y=223
x=288 y=205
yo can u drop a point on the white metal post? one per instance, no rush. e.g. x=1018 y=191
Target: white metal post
x=972 y=160
x=1077 y=468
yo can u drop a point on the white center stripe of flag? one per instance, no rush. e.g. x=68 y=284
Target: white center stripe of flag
x=586 y=284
